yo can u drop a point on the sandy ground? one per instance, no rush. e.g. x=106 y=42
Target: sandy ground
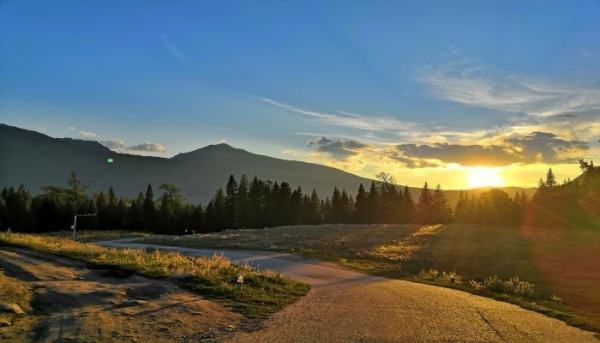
x=72 y=303
x=347 y=306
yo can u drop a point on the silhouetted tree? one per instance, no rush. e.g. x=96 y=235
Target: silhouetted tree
x=361 y=214
x=424 y=205
x=149 y=210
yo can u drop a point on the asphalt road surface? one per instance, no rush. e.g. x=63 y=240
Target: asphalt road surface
x=348 y=306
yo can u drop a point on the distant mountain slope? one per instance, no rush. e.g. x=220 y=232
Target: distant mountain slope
x=37 y=160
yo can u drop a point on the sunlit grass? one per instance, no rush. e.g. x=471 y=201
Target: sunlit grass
x=264 y=291
x=465 y=252
x=98 y=235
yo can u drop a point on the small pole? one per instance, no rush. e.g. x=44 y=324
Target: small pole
x=74 y=226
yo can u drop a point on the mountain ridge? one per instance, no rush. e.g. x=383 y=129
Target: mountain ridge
x=198 y=172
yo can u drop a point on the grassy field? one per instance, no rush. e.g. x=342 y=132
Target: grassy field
x=264 y=291
x=548 y=270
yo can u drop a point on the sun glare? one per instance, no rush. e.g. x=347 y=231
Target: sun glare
x=484 y=177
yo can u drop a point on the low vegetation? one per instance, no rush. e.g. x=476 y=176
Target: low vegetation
x=98 y=235
x=263 y=293
x=544 y=269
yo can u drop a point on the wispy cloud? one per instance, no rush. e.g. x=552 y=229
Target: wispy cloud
x=147 y=147
x=170 y=46
x=478 y=86
x=347 y=119
x=88 y=134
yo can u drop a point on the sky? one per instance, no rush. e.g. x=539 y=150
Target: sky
x=461 y=93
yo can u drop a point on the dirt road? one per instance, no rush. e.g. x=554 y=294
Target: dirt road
x=347 y=306
x=72 y=303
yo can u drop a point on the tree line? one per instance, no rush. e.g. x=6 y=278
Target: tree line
x=574 y=203
x=256 y=203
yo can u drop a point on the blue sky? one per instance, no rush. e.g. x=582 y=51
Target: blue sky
x=457 y=79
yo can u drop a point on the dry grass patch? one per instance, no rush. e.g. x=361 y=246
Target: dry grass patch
x=264 y=291
x=97 y=235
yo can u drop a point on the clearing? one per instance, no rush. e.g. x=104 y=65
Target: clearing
x=348 y=306
x=562 y=264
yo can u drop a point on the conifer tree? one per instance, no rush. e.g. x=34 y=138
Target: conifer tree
x=149 y=210
x=550 y=179
x=241 y=210
x=361 y=213
x=441 y=212
x=373 y=203
x=408 y=205
x=230 y=203
x=424 y=205
x=220 y=210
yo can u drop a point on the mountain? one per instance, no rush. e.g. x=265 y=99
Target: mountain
x=37 y=160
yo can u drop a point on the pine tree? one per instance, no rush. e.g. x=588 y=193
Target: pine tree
x=256 y=212
x=361 y=213
x=76 y=188
x=197 y=220
x=313 y=209
x=230 y=203
x=170 y=208
x=149 y=210
x=441 y=211
x=296 y=207
x=241 y=210
x=373 y=204
x=424 y=205
x=283 y=204
x=408 y=205
x=220 y=210
x=346 y=207
x=135 y=214
x=550 y=179
x=337 y=207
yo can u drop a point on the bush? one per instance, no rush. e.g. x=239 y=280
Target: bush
x=514 y=286
x=441 y=277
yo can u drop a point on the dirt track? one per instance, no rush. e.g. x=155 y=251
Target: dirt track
x=72 y=303
x=346 y=306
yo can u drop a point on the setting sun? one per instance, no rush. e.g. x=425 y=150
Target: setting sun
x=484 y=177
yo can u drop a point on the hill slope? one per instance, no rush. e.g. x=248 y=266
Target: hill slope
x=576 y=203
x=37 y=160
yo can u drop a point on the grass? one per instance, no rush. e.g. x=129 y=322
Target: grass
x=264 y=292
x=98 y=235
x=363 y=247
x=551 y=271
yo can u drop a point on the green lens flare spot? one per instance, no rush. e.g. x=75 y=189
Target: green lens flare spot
x=110 y=160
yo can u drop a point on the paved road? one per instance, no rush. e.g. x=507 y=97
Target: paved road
x=347 y=306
